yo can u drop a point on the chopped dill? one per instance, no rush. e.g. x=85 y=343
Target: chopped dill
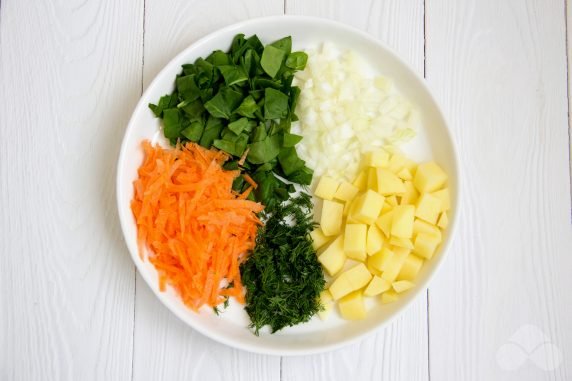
x=282 y=276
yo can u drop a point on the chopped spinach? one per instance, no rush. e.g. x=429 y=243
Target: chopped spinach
x=242 y=100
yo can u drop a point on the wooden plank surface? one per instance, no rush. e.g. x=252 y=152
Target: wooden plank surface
x=70 y=304
x=399 y=352
x=500 y=308
x=68 y=85
x=165 y=348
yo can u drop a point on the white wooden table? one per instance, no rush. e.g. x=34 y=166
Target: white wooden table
x=71 y=304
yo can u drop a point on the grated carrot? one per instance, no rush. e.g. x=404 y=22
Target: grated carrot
x=196 y=229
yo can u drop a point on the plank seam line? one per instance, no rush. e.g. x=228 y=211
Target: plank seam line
x=134 y=267
x=566 y=26
x=427 y=294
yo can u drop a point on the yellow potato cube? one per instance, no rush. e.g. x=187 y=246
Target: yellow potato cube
x=393 y=267
x=445 y=198
x=425 y=245
x=399 y=162
x=428 y=208
x=358 y=276
x=376 y=286
x=318 y=238
x=346 y=192
x=404 y=174
x=367 y=207
x=355 y=236
x=379 y=260
x=375 y=240
x=379 y=158
x=360 y=181
x=333 y=258
x=443 y=221
x=410 y=268
x=340 y=287
x=411 y=195
x=331 y=219
x=391 y=200
x=384 y=223
x=402 y=222
x=372 y=271
x=388 y=183
x=401 y=242
x=429 y=177
x=326 y=302
x=372 y=179
x=402 y=285
x=385 y=208
x=389 y=296
x=350 y=280
x=420 y=226
x=352 y=306
x=326 y=188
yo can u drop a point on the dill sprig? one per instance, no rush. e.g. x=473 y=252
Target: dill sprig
x=282 y=276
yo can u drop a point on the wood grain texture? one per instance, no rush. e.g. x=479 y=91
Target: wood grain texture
x=164 y=347
x=70 y=77
x=499 y=69
x=400 y=351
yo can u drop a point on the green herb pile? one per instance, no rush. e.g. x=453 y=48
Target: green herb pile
x=283 y=277
x=242 y=102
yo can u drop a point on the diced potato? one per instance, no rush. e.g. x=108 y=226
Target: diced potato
x=399 y=162
x=355 y=236
x=326 y=301
x=428 y=208
x=402 y=222
x=425 y=245
x=331 y=219
x=326 y=188
x=420 y=226
x=358 y=276
x=445 y=198
x=372 y=179
x=385 y=208
x=379 y=260
x=389 y=296
x=376 y=286
x=401 y=242
x=384 y=223
x=367 y=207
x=371 y=270
x=375 y=240
x=391 y=200
x=379 y=158
x=402 y=285
x=429 y=177
x=333 y=258
x=393 y=267
x=318 y=238
x=388 y=183
x=410 y=268
x=352 y=306
x=340 y=287
x=411 y=195
x=443 y=221
x=361 y=180
x=350 y=280
x=346 y=192
x=404 y=174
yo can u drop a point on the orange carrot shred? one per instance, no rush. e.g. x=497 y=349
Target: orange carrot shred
x=249 y=180
x=243 y=157
x=196 y=229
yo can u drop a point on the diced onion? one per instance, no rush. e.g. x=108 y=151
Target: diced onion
x=343 y=111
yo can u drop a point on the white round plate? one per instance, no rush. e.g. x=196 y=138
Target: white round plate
x=433 y=142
